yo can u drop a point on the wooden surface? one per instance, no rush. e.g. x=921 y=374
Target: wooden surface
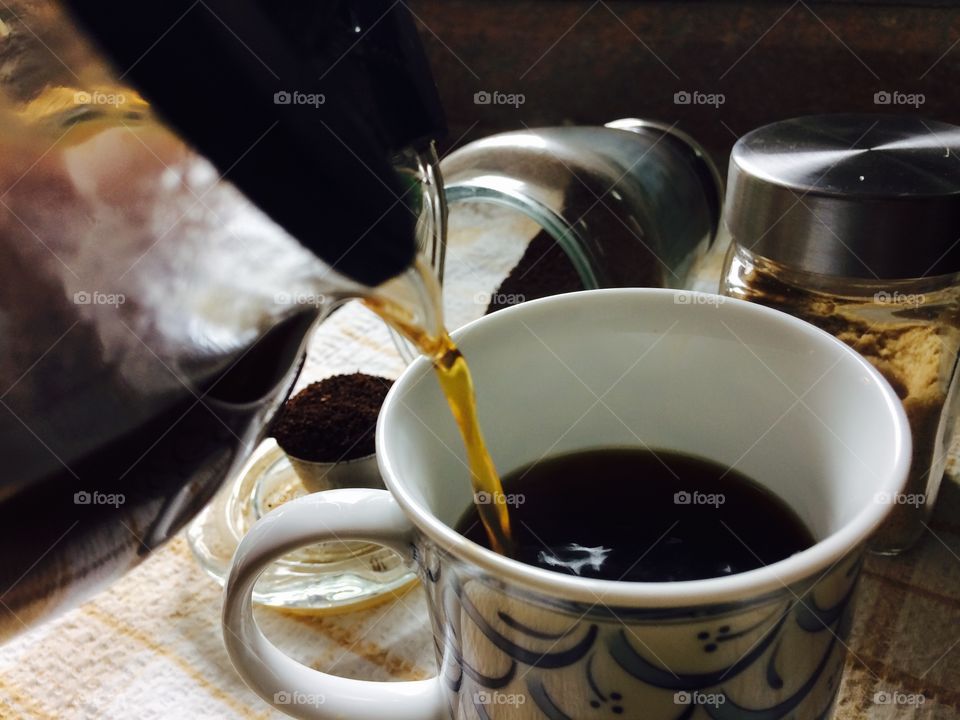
x=590 y=62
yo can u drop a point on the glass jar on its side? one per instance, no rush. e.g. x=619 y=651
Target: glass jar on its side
x=541 y=211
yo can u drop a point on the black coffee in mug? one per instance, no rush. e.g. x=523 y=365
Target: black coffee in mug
x=641 y=516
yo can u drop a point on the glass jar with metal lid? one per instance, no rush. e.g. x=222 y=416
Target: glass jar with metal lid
x=852 y=223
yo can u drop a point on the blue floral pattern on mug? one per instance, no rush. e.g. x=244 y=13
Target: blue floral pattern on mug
x=505 y=653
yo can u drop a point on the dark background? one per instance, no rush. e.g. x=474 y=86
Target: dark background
x=588 y=63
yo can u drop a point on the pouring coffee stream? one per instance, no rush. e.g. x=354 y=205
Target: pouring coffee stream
x=430 y=336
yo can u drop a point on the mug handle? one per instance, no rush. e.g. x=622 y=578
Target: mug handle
x=348 y=514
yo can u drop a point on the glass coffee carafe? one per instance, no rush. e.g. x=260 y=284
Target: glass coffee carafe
x=163 y=262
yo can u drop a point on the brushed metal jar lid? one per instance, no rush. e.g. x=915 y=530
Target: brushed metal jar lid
x=854 y=195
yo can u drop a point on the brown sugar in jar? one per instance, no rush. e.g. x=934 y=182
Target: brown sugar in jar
x=912 y=339
x=852 y=223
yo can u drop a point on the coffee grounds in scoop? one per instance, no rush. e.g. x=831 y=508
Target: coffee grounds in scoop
x=333 y=419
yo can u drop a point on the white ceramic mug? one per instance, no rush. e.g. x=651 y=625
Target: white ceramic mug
x=743 y=385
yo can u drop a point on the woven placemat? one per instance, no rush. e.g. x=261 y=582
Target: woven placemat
x=151 y=647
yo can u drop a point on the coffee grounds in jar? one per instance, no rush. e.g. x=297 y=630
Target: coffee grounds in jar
x=332 y=420
x=543 y=270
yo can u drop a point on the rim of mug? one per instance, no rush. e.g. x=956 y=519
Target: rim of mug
x=781 y=575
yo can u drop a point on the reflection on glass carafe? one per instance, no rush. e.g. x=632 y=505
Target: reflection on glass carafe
x=153 y=315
